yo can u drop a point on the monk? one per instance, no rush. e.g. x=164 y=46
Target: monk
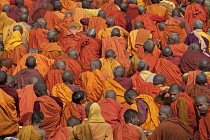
x=203 y=106
x=167 y=53
x=65 y=89
x=111 y=6
x=119 y=84
x=137 y=37
x=38 y=34
x=54 y=76
x=199 y=36
x=194 y=90
x=90 y=48
x=132 y=10
x=40 y=12
x=54 y=17
x=10 y=81
x=191 y=14
x=33 y=131
x=191 y=58
x=24 y=75
x=146 y=108
x=94 y=127
x=157 y=9
x=177 y=47
x=7 y=9
x=110 y=26
x=74 y=108
x=71 y=122
x=51 y=49
x=111 y=110
x=170 y=128
x=26 y=27
x=114 y=42
x=5 y=64
x=148 y=53
x=9 y=106
x=27 y=98
x=48 y=106
x=109 y=63
x=129 y=130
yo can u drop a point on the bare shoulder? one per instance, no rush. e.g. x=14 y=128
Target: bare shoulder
x=42 y=132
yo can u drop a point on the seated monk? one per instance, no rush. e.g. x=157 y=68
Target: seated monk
x=65 y=90
x=167 y=53
x=204 y=107
x=26 y=27
x=111 y=110
x=54 y=17
x=111 y=6
x=63 y=26
x=51 y=49
x=98 y=23
x=48 y=106
x=10 y=81
x=94 y=127
x=132 y=10
x=90 y=48
x=129 y=130
x=170 y=128
x=194 y=90
x=110 y=26
x=73 y=64
x=9 y=106
x=119 y=84
x=5 y=64
x=119 y=47
x=54 y=76
x=177 y=47
x=40 y=12
x=23 y=10
x=33 y=131
x=92 y=81
x=71 y=122
x=148 y=53
x=7 y=9
x=157 y=9
x=24 y=75
x=146 y=108
x=27 y=98
x=74 y=108
x=199 y=36
x=109 y=63
x=192 y=14
x=39 y=34
x=137 y=37
x=191 y=58
x=60 y=133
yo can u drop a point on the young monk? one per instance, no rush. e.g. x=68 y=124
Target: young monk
x=71 y=122
x=34 y=131
x=130 y=130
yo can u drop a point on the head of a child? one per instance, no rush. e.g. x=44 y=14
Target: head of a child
x=37 y=118
x=73 y=121
x=79 y=97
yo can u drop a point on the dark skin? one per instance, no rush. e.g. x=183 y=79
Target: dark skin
x=130 y=95
x=33 y=50
x=115 y=32
x=91 y=32
x=33 y=80
x=195 y=46
x=173 y=39
x=3 y=78
x=198 y=24
x=201 y=79
x=176 y=12
x=204 y=65
x=57 y=6
x=24 y=17
x=159 y=79
x=40 y=89
x=61 y=65
x=68 y=14
x=68 y=77
x=124 y=6
x=142 y=65
x=141 y=9
x=52 y=36
x=19 y=2
x=110 y=22
x=119 y=71
x=42 y=23
x=73 y=54
x=161 y=26
x=6 y=8
x=138 y=25
x=85 y=4
x=110 y=54
x=148 y=46
x=73 y=121
x=167 y=51
x=133 y=2
x=155 y=1
x=10 y=81
x=18 y=28
x=111 y=94
x=95 y=64
x=30 y=62
x=102 y=14
x=174 y=92
x=23 y=10
x=118 y=2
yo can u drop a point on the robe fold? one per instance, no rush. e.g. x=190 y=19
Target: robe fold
x=39 y=36
x=80 y=13
x=158 y=10
x=137 y=81
x=179 y=49
x=109 y=7
x=192 y=76
x=53 y=18
x=28 y=132
x=119 y=18
x=204 y=126
x=61 y=133
x=39 y=13
x=194 y=90
x=132 y=11
x=97 y=23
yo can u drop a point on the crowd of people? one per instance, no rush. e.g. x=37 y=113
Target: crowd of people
x=104 y=70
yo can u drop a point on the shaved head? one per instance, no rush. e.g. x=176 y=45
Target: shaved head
x=161 y=26
x=23 y=10
x=44 y=4
x=33 y=50
x=138 y=25
x=176 y=12
x=198 y=24
x=68 y=77
x=201 y=78
x=173 y=38
x=204 y=65
x=119 y=71
x=174 y=92
x=130 y=95
x=195 y=46
x=87 y=109
x=111 y=94
x=115 y=32
x=73 y=121
x=57 y=6
x=159 y=79
x=142 y=66
x=40 y=89
x=31 y=62
x=91 y=32
x=133 y=1
x=72 y=27
x=118 y=2
x=23 y=17
x=33 y=80
x=165 y=112
x=68 y=14
x=6 y=8
x=141 y=9
x=19 y=2
x=42 y=23
x=3 y=77
x=18 y=28
x=149 y=46
x=202 y=104
x=85 y=4
x=95 y=64
x=167 y=51
x=61 y=65
x=72 y=53
x=52 y=36
x=110 y=21
x=102 y=14
x=10 y=81
x=110 y=54
x=124 y=6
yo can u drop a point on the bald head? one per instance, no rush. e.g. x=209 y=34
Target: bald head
x=176 y=12
x=33 y=50
x=130 y=95
x=118 y=2
x=42 y=23
x=167 y=51
x=155 y=1
x=19 y=2
x=204 y=65
x=149 y=46
x=68 y=14
x=44 y=4
x=165 y=112
x=33 y=80
x=174 y=92
x=124 y=6
x=142 y=66
x=91 y=32
x=202 y=104
x=200 y=2
x=115 y=32
x=6 y=8
x=23 y=17
x=68 y=77
x=18 y=28
x=161 y=26
x=119 y=71
x=201 y=79
x=52 y=36
x=173 y=38
x=40 y=89
x=31 y=62
x=87 y=109
x=111 y=94
x=110 y=54
x=72 y=28
x=95 y=64
x=102 y=14
x=133 y=2
x=198 y=24
x=72 y=53
x=61 y=65
x=3 y=77
x=23 y=10
x=195 y=46
x=159 y=79
x=110 y=21
x=85 y=4
x=138 y=25
x=10 y=81
x=57 y=6
x=73 y=121
x=141 y=9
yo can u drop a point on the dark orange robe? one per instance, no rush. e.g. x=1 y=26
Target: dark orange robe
x=204 y=126
x=61 y=133
x=39 y=36
x=39 y=13
x=53 y=18
x=150 y=89
x=119 y=18
x=109 y=7
x=158 y=10
x=179 y=49
x=97 y=23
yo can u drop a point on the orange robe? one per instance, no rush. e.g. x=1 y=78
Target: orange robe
x=109 y=7
x=28 y=132
x=192 y=76
x=72 y=65
x=171 y=71
x=29 y=3
x=44 y=64
x=92 y=83
x=74 y=6
x=80 y=13
x=66 y=4
x=51 y=111
x=61 y=133
x=137 y=81
x=118 y=45
x=158 y=10
x=204 y=126
x=112 y=112
x=179 y=49
x=27 y=98
x=53 y=77
x=97 y=23
x=39 y=36
x=53 y=18
x=8 y=113
x=119 y=18
x=196 y=12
